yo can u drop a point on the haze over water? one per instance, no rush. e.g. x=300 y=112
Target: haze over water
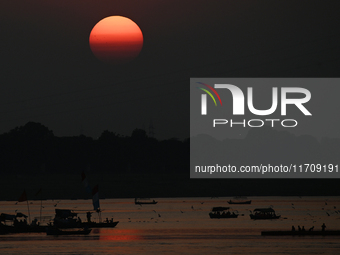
x=183 y=226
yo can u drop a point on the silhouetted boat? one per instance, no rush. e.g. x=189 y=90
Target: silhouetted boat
x=10 y=223
x=65 y=218
x=301 y=233
x=239 y=202
x=222 y=213
x=144 y=201
x=264 y=214
x=57 y=231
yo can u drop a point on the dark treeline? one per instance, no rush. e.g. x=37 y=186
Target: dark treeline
x=33 y=148
x=141 y=166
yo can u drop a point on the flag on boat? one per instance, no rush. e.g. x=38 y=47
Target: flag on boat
x=23 y=197
x=85 y=183
x=95 y=198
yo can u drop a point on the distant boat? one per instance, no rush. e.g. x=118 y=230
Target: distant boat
x=222 y=213
x=144 y=201
x=239 y=202
x=301 y=233
x=264 y=214
x=57 y=231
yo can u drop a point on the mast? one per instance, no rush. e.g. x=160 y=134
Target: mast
x=23 y=198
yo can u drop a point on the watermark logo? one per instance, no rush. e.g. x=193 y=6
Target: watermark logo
x=238 y=99
x=204 y=97
x=280 y=98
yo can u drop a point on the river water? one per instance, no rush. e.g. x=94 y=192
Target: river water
x=182 y=226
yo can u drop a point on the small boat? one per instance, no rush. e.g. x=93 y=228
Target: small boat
x=100 y=224
x=264 y=214
x=144 y=201
x=65 y=218
x=301 y=233
x=17 y=223
x=239 y=202
x=222 y=213
x=56 y=231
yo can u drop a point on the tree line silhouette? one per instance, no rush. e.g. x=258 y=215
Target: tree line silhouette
x=33 y=149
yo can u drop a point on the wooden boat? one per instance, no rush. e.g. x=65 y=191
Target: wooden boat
x=65 y=218
x=10 y=223
x=222 y=213
x=301 y=233
x=56 y=231
x=144 y=201
x=236 y=202
x=264 y=214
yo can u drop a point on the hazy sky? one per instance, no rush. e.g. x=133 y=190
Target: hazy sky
x=49 y=74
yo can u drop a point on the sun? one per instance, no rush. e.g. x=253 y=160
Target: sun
x=116 y=40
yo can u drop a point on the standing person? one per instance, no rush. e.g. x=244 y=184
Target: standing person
x=88 y=215
x=323 y=227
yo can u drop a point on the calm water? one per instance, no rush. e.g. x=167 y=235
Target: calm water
x=183 y=226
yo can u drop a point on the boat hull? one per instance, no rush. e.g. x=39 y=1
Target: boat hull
x=216 y=216
x=100 y=224
x=4 y=229
x=146 y=203
x=264 y=217
x=87 y=224
x=239 y=202
x=58 y=232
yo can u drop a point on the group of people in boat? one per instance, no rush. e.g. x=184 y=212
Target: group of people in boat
x=224 y=213
x=109 y=221
x=18 y=223
x=260 y=213
x=323 y=228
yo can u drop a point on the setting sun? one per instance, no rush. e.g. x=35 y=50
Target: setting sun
x=116 y=40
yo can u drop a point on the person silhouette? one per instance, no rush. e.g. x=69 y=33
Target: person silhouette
x=323 y=227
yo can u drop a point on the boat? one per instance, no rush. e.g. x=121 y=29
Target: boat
x=57 y=231
x=264 y=214
x=222 y=213
x=65 y=218
x=17 y=223
x=239 y=200
x=236 y=202
x=301 y=233
x=144 y=201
